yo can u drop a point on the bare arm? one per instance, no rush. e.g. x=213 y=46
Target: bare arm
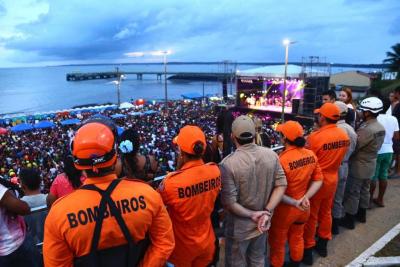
x=276 y=197
x=288 y=200
x=313 y=189
x=229 y=197
x=14 y=205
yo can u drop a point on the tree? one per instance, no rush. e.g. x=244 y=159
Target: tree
x=393 y=59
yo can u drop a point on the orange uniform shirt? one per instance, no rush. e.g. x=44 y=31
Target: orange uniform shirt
x=70 y=223
x=330 y=145
x=189 y=195
x=301 y=167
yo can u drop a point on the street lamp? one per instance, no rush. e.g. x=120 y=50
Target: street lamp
x=286 y=43
x=118 y=85
x=163 y=53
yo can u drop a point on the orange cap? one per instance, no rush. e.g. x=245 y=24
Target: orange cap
x=291 y=130
x=329 y=110
x=93 y=147
x=188 y=136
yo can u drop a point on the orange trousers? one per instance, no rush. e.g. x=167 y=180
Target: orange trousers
x=321 y=214
x=287 y=224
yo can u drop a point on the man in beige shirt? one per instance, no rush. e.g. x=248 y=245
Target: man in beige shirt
x=253 y=184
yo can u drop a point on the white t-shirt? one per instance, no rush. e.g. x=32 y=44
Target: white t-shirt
x=391 y=125
x=12 y=229
x=389 y=111
x=35 y=201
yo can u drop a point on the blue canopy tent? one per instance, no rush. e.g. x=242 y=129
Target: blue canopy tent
x=22 y=127
x=193 y=95
x=70 y=122
x=118 y=116
x=136 y=113
x=44 y=125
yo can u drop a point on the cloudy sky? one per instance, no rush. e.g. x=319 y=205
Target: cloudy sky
x=86 y=31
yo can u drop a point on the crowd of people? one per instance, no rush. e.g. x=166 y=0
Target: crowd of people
x=213 y=161
x=45 y=149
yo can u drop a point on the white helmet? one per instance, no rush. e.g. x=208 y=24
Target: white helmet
x=372 y=104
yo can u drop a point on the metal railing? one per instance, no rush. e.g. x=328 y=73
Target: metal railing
x=157 y=179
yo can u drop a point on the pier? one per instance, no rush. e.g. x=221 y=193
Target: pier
x=201 y=76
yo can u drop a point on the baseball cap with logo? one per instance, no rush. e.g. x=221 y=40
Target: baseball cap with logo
x=329 y=110
x=188 y=137
x=243 y=127
x=291 y=130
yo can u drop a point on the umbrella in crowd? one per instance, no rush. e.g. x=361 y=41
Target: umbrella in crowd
x=3 y=130
x=22 y=127
x=44 y=125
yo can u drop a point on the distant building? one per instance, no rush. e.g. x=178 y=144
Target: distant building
x=359 y=82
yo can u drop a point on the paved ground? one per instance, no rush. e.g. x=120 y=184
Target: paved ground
x=349 y=244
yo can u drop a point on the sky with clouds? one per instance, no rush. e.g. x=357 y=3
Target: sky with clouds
x=86 y=31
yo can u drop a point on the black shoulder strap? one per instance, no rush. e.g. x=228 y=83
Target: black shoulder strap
x=106 y=200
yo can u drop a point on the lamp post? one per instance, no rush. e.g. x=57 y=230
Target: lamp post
x=286 y=43
x=163 y=53
x=118 y=85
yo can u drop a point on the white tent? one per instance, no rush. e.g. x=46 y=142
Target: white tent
x=126 y=105
x=277 y=71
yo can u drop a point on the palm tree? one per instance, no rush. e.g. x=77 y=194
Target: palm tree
x=393 y=58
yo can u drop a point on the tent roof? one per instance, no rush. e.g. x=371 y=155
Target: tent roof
x=277 y=71
x=126 y=105
x=70 y=122
x=44 y=124
x=22 y=127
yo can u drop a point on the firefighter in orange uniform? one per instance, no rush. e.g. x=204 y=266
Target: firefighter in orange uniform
x=330 y=144
x=304 y=179
x=115 y=222
x=189 y=195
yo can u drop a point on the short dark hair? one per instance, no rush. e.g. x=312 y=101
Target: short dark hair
x=299 y=142
x=330 y=93
x=244 y=141
x=330 y=120
x=198 y=149
x=30 y=178
x=397 y=89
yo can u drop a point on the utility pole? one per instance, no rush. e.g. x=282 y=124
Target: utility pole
x=118 y=87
